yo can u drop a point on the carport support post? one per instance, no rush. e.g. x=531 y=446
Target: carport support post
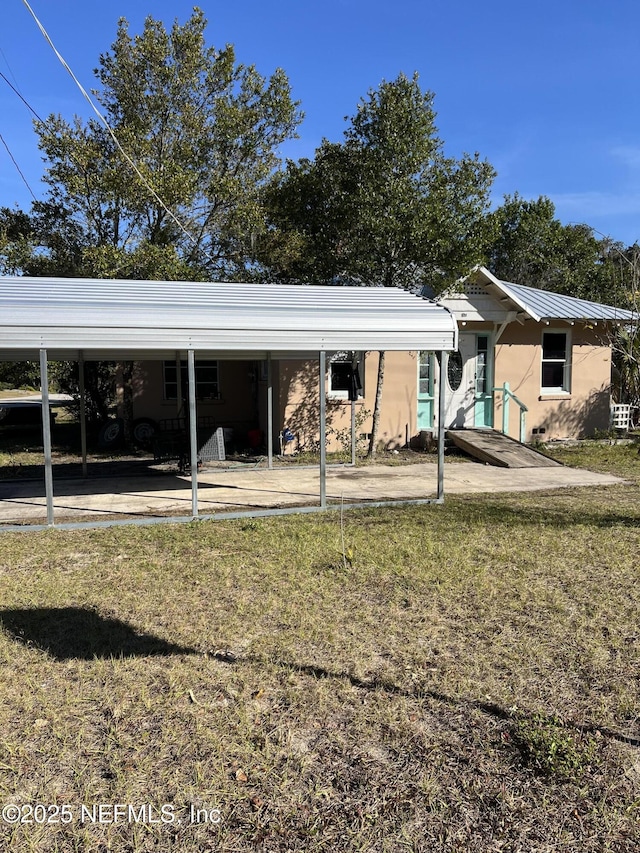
x=269 y=411
x=193 y=431
x=83 y=414
x=323 y=429
x=353 y=433
x=46 y=435
x=444 y=361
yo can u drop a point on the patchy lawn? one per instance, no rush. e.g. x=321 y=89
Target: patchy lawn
x=450 y=678
x=621 y=459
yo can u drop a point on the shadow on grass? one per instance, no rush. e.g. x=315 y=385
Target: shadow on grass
x=549 y=511
x=490 y=708
x=80 y=633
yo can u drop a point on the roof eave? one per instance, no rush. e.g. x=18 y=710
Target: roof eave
x=501 y=291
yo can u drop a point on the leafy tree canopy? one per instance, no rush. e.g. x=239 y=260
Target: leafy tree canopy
x=531 y=246
x=203 y=132
x=382 y=207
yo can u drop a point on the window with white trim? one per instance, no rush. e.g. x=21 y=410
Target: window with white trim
x=207 y=380
x=556 y=350
x=341 y=378
x=482 y=364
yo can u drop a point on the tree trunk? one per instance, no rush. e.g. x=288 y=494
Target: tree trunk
x=375 y=426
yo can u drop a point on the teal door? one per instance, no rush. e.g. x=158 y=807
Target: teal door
x=483 y=409
x=425 y=390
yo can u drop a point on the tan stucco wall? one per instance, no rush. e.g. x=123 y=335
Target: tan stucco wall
x=295 y=395
x=574 y=415
x=237 y=387
x=298 y=402
x=398 y=414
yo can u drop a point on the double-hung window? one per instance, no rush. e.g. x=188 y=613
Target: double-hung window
x=207 y=380
x=556 y=363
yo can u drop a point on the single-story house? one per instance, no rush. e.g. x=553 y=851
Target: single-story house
x=525 y=356
x=531 y=363
x=534 y=364
x=518 y=350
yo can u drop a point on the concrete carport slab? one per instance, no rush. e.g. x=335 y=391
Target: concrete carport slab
x=157 y=495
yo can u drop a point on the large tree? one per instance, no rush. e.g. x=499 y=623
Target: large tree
x=530 y=246
x=384 y=207
x=174 y=193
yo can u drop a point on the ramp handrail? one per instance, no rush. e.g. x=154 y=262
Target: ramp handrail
x=507 y=394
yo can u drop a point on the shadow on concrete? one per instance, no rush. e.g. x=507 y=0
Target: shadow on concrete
x=67 y=633
x=113 y=478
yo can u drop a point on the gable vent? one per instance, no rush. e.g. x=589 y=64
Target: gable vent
x=475 y=289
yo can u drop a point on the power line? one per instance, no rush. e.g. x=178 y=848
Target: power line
x=26 y=183
x=111 y=133
x=3 y=140
x=24 y=100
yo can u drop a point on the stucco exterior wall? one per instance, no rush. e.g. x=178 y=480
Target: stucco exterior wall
x=576 y=414
x=518 y=354
x=297 y=403
x=238 y=388
x=398 y=414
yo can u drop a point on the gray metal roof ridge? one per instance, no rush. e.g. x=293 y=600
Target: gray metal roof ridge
x=550 y=305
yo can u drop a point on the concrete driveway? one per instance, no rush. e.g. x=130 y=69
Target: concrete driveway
x=245 y=488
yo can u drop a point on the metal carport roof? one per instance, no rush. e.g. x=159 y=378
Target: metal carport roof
x=102 y=317
x=108 y=319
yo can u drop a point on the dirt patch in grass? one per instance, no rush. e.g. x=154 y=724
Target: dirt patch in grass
x=467 y=680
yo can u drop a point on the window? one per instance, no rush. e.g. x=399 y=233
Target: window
x=425 y=374
x=482 y=351
x=454 y=370
x=207 y=380
x=555 y=362
x=346 y=375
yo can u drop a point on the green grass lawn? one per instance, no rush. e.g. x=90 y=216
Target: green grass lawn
x=461 y=677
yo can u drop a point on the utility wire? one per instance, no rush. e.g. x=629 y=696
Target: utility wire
x=24 y=100
x=3 y=140
x=170 y=213
x=26 y=183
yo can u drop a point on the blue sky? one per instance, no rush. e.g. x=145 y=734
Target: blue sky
x=546 y=91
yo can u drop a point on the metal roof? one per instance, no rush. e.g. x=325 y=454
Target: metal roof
x=544 y=305
x=102 y=318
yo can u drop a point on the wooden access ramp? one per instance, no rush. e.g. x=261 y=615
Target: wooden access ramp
x=494 y=448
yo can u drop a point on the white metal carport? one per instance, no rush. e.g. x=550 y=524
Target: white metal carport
x=105 y=319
